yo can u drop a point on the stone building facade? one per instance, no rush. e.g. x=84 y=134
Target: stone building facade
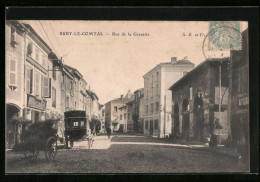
x=157 y=96
x=239 y=90
x=198 y=104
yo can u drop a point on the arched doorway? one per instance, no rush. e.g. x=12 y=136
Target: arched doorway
x=198 y=116
x=176 y=127
x=12 y=111
x=186 y=118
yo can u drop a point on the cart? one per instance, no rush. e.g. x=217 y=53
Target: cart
x=38 y=137
x=77 y=128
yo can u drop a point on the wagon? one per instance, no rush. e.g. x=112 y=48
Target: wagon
x=38 y=137
x=77 y=128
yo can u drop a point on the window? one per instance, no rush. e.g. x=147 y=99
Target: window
x=45 y=87
x=44 y=63
x=120 y=116
x=243 y=79
x=124 y=115
x=29 y=48
x=146 y=110
x=37 y=83
x=67 y=102
x=151 y=111
x=157 y=107
x=128 y=115
x=152 y=79
x=29 y=80
x=152 y=91
x=147 y=93
x=71 y=87
x=115 y=109
x=190 y=93
x=75 y=105
x=37 y=55
x=12 y=73
x=53 y=97
x=53 y=72
x=157 y=76
x=13 y=35
x=146 y=125
x=157 y=89
x=75 y=124
x=156 y=124
x=82 y=124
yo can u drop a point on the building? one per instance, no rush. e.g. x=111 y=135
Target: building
x=157 y=96
x=239 y=91
x=123 y=118
x=200 y=102
x=138 y=108
x=130 y=116
x=114 y=110
x=14 y=83
x=93 y=111
x=79 y=85
x=31 y=90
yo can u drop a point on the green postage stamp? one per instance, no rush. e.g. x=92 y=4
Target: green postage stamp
x=224 y=35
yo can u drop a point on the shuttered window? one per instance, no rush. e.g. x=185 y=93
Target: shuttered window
x=45 y=87
x=37 y=55
x=37 y=83
x=53 y=95
x=29 y=80
x=12 y=73
x=13 y=34
x=44 y=63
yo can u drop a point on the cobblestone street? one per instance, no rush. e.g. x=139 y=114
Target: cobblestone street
x=126 y=154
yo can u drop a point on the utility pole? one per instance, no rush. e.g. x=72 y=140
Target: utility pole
x=219 y=104
x=164 y=116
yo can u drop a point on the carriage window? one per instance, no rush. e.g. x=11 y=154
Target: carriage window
x=81 y=123
x=75 y=123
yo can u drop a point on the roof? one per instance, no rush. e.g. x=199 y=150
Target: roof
x=75 y=71
x=29 y=27
x=183 y=61
x=207 y=61
x=177 y=63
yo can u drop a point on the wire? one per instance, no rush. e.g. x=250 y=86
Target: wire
x=47 y=36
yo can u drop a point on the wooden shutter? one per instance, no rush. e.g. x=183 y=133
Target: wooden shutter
x=12 y=80
x=45 y=87
x=31 y=80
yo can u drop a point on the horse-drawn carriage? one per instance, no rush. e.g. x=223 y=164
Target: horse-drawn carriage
x=40 y=136
x=77 y=128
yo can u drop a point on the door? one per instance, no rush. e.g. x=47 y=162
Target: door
x=151 y=127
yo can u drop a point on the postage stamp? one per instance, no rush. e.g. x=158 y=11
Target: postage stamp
x=224 y=35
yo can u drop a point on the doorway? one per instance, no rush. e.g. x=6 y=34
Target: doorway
x=12 y=111
x=151 y=127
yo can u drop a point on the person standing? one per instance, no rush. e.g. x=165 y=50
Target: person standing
x=108 y=132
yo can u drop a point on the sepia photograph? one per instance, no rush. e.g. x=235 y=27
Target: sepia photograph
x=99 y=96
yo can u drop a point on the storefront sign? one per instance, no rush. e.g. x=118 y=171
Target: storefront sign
x=243 y=101
x=33 y=102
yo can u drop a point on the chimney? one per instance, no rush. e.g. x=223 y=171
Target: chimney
x=121 y=97
x=173 y=60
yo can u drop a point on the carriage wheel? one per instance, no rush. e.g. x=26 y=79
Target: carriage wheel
x=51 y=149
x=71 y=143
x=35 y=154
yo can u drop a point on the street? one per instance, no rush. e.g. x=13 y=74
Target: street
x=126 y=154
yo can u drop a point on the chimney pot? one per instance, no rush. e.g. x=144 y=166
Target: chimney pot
x=173 y=60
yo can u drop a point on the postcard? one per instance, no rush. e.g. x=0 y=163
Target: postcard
x=88 y=96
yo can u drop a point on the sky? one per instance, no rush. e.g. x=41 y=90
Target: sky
x=113 y=64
